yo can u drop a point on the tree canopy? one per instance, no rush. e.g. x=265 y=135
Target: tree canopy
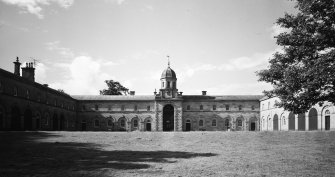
x=303 y=74
x=114 y=88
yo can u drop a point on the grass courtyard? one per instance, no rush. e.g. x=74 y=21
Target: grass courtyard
x=167 y=154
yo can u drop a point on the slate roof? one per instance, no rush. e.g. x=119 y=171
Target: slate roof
x=152 y=97
x=168 y=73
x=113 y=97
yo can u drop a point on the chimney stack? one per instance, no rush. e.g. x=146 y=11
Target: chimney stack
x=204 y=93
x=29 y=72
x=132 y=93
x=17 y=65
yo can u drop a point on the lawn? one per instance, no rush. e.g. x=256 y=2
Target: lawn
x=167 y=154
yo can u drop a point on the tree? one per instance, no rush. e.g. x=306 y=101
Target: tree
x=114 y=88
x=303 y=74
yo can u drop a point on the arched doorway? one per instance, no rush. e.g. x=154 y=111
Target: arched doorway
x=15 y=118
x=147 y=124
x=291 y=121
x=275 y=122
x=55 y=122
x=253 y=124
x=301 y=121
x=28 y=120
x=168 y=118
x=122 y=124
x=226 y=124
x=188 y=125
x=313 y=119
x=327 y=120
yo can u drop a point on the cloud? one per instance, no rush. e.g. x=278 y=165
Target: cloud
x=65 y=52
x=277 y=29
x=119 y=2
x=35 y=6
x=86 y=77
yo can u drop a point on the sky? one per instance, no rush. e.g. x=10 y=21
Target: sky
x=214 y=45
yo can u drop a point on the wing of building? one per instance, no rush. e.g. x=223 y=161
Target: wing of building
x=27 y=105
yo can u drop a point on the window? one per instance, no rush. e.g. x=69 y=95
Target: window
x=327 y=112
x=55 y=102
x=252 y=107
x=27 y=94
x=201 y=123
x=110 y=123
x=96 y=123
x=188 y=107
x=239 y=123
x=227 y=107
x=174 y=84
x=201 y=107
x=214 y=123
x=109 y=107
x=168 y=84
x=135 y=123
x=122 y=108
x=148 y=108
x=123 y=123
x=135 y=108
x=240 y=107
x=15 y=91
x=214 y=107
x=96 y=107
x=84 y=107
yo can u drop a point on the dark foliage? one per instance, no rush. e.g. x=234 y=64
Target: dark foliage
x=114 y=88
x=303 y=74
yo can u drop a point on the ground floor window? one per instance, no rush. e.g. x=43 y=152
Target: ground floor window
x=96 y=123
x=201 y=123
x=123 y=123
x=135 y=123
x=239 y=123
x=214 y=122
x=110 y=123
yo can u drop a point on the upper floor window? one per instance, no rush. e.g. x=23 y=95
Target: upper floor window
x=227 y=107
x=96 y=107
x=174 y=85
x=214 y=122
x=109 y=107
x=84 y=107
x=201 y=123
x=15 y=91
x=240 y=107
x=252 y=107
x=148 y=108
x=188 y=107
x=1 y=86
x=28 y=94
x=55 y=102
x=135 y=108
x=214 y=107
x=168 y=84
x=201 y=107
x=122 y=107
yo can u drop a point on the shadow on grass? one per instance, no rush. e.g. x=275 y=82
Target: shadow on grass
x=23 y=153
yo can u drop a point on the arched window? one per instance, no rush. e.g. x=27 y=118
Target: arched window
x=96 y=123
x=123 y=123
x=214 y=122
x=110 y=123
x=239 y=123
x=135 y=123
x=201 y=123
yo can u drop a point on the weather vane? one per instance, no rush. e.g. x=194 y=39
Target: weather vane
x=168 y=60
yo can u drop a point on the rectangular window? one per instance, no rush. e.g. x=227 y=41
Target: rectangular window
x=227 y=107
x=122 y=108
x=239 y=107
x=148 y=108
x=214 y=107
x=168 y=84
x=96 y=107
x=201 y=107
x=135 y=108
x=188 y=107
x=109 y=107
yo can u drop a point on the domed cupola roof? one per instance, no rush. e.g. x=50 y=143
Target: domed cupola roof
x=168 y=73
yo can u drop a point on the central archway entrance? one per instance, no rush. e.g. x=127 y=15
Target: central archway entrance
x=168 y=118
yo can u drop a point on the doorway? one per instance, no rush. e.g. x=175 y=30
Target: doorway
x=327 y=122
x=168 y=118
x=253 y=126
x=28 y=120
x=83 y=126
x=188 y=125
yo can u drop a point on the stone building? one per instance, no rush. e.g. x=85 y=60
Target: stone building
x=319 y=117
x=27 y=105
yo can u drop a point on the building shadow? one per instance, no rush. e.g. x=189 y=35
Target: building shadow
x=26 y=154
